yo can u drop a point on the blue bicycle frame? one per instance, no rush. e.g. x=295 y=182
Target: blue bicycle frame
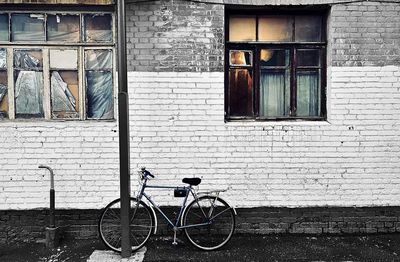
x=177 y=223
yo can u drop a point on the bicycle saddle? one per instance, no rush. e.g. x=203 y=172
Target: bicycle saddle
x=194 y=181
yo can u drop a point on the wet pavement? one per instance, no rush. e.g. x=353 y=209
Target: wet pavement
x=385 y=247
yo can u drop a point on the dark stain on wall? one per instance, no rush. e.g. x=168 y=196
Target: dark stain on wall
x=183 y=36
x=175 y=36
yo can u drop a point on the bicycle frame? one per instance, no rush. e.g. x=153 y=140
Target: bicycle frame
x=177 y=224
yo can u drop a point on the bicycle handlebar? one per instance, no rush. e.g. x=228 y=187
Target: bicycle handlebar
x=146 y=173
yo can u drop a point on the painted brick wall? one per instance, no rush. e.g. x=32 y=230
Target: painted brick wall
x=178 y=126
x=84 y=156
x=178 y=130
x=352 y=159
x=282 y=175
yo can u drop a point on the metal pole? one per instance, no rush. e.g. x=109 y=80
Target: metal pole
x=52 y=223
x=123 y=118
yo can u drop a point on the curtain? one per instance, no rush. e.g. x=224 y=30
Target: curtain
x=308 y=93
x=273 y=95
x=240 y=92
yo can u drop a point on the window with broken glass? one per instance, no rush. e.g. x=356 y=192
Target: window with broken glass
x=276 y=66
x=56 y=65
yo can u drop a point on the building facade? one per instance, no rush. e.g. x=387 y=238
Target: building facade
x=292 y=105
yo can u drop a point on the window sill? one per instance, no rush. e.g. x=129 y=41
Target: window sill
x=294 y=122
x=41 y=120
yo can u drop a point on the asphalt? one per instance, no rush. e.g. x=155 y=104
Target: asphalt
x=374 y=248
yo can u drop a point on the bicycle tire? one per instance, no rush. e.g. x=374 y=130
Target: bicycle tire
x=109 y=225
x=220 y=228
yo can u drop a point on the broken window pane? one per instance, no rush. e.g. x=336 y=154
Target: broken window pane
x=98 y=28
x=29 y=94
x=3 y=94
x=27 y=27
x=27 y=59
x=98 y=59
x=63 y=59
x=308 y=93
x=242 y=28
x=63 y=28
x=3 y=58
x=308 y=28
x=240 y=92
x=99 y=92
x=275 y=29
x=241 y=58
x=4 y=27
x=64 y=94
x=28 y=83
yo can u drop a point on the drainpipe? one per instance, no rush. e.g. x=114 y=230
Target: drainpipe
x=52 y=232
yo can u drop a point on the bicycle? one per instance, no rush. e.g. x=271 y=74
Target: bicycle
x=208 y=221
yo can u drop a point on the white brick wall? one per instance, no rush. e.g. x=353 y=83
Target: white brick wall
x=178 y=130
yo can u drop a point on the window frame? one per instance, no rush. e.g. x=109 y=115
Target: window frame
x=256 y=46
x=47 y=45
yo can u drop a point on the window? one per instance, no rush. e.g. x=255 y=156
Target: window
x=61 y=65
x=28 y=83
x=3 y=84
x=275 y=66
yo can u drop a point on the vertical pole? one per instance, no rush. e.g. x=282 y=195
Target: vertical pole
x=123 y=118
x=52 y=209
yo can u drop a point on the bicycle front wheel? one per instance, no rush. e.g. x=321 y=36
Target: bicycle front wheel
x=141 y=224
x=209 y=222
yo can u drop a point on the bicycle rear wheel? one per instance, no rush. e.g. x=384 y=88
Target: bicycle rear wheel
x=210 y=222
x=141 y=225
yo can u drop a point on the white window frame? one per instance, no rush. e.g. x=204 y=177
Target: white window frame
x=45 y=47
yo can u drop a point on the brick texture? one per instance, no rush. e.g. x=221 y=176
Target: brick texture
x=175 y=36
x=189 y=37
x=352 y=159
x=176 y=88
x=28 y=226
x=178 y=130
x=84 y=156
x=365 y=34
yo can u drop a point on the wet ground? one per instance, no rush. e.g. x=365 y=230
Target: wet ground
x=241 y=248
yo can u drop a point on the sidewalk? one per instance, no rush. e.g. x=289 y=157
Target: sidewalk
x=241 y=248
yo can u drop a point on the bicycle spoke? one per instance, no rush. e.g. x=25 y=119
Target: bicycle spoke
x=197 y=215
x=223 y=211
x=115 y=215
x=141 y=226
x=135 y=238
x=113 y=239
x=220 y=228
x=140 y=230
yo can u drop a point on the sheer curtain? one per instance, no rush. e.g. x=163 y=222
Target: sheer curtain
x=272 y=94
x=308 y=94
